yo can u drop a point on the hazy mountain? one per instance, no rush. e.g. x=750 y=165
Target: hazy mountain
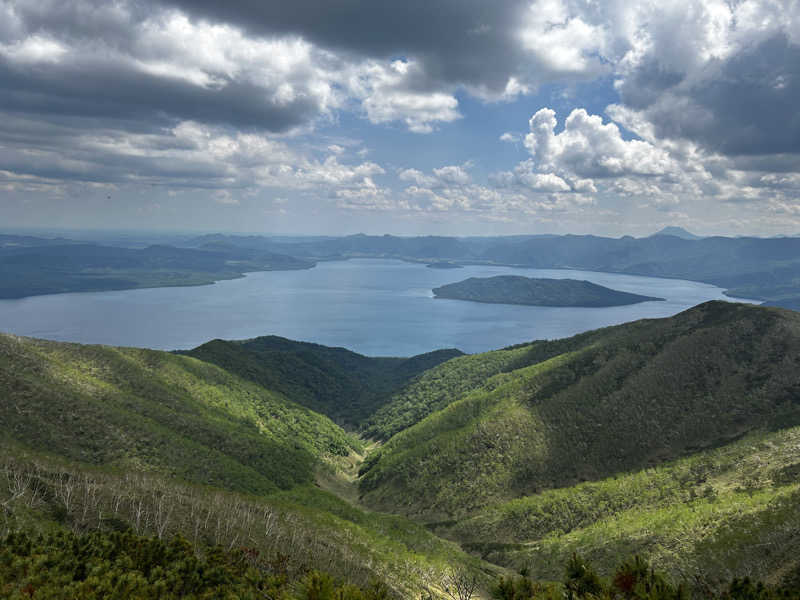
x=679 y=232
x=49 y=268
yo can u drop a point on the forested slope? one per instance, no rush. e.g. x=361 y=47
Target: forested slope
x=344 y=385
x=610 y=401
x=96 y=438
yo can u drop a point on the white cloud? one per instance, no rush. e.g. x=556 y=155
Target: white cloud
x=452 y=174
x=387 y=95
x=562 y=41
x=510 y=137
x=34 y=49
x=587 y=147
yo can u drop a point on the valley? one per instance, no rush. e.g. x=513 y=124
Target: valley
x=673 y=439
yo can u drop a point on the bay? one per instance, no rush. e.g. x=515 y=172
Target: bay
x=372 y=306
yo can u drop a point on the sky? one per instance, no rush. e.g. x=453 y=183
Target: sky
x=455 y=117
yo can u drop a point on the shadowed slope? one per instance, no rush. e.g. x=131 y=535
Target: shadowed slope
x=345 y=386
x=613 y=400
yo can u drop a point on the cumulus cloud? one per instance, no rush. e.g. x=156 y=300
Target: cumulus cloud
x=587 y=147
x=226 y=96
x=388 y=94
x=732 y=82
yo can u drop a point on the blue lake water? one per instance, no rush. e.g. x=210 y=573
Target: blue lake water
x=375 y=307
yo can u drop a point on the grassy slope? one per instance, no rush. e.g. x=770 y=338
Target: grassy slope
x=164 y=443
x=305 y=528
x=611 y=401
x=345 y=386
x=704 y=513
x=437 y=387
x=153 y=410
x=682 y=427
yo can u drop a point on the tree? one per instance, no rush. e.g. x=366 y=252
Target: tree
x=460 y=584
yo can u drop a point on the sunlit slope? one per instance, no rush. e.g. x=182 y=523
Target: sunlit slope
x=344 y=385
x=722 y=513
x=290 y=531
x=150 y=410
x=610 y=401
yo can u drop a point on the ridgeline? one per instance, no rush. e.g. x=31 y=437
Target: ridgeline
x=674 y=439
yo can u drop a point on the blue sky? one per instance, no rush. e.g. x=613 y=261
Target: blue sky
x=451 y=117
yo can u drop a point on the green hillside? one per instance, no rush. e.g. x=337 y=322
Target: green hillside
x=674 y=439
x=345 y=386
x=702 y=514
x=619 y=399
x=287 y=533
x=145 y=409
x=107 y=439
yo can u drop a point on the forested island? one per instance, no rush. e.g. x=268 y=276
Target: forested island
x=443 y=265
x=515 y=289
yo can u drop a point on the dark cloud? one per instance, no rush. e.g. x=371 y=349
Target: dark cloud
x=459 y=41
x=103 y=89
x=744 y=105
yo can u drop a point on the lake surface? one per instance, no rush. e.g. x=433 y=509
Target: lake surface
x=375 y=307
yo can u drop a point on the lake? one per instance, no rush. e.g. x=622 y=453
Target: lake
x=375 y=307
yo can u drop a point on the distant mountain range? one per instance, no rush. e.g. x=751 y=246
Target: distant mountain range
x=756 y=268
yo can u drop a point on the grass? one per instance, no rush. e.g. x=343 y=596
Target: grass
x=152 y=410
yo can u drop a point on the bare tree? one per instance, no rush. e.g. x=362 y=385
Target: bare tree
x=460 y=584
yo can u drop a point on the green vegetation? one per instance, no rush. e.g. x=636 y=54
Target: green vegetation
x=305 y=528
x=634 y=579
x=702 y=515
x=345 y=386
x=146 y=409
x=620 y=399
x=105 y=439
x=513 y=289
x=124 y=565
x=677 y=440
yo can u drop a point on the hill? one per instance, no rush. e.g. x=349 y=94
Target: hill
x=676 y=439
x=514 y=289
x=159 y=444
x=553 y=414
x=133 y=408
x=29 y=267
x=679 y=232
x=716 y=514
x=344 y=385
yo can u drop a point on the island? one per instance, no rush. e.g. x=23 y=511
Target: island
x=443 y=265
x=515 y=289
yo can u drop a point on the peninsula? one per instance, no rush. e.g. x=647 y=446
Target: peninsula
x=515 y=289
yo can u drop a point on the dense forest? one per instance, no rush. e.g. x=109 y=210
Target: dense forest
x=513 y=289
x=655 y=459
